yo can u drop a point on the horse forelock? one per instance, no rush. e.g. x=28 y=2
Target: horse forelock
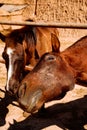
x=30 y=38
x=26 y=33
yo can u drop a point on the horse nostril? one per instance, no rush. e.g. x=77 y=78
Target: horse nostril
x=22 y=90
x=11 y=91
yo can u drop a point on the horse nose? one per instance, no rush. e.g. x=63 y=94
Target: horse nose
x=11 y=91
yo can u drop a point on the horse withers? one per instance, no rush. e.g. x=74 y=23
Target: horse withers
x=54 y=75
x=24 y=47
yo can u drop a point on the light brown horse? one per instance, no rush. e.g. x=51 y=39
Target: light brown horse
x=54 y=75
x=23 y=47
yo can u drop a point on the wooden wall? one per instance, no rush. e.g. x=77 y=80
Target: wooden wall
x=64 y=11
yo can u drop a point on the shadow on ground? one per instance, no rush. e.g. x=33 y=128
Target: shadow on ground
x=71 y=115
x=4 y=102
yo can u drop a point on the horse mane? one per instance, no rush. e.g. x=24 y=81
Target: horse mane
x=26 y=33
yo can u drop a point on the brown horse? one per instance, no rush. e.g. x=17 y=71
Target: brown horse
x=53 y=76
x=23 y=47
x=50 y=79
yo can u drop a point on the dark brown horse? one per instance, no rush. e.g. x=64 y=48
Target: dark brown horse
x=53 y=76
x=23 y=47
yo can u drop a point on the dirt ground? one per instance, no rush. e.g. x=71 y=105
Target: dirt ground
x=69 y=113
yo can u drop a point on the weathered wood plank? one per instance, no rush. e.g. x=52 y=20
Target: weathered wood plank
x=46 y=24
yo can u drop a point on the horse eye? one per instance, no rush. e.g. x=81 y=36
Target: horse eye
x=4 y=55
x=50 y=58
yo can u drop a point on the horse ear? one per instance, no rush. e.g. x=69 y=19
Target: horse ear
x=55 y=43
x=2 y=37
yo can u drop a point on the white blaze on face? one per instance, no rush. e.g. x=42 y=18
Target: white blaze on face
x=10 y=69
